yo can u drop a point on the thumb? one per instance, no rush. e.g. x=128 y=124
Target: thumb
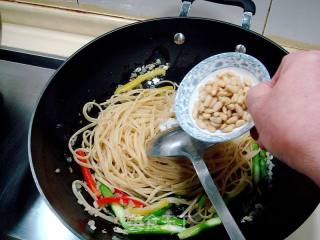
x=256 y=97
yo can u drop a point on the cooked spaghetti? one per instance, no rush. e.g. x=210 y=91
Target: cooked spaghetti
x=114 y=148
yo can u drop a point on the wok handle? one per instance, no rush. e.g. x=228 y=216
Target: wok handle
x=249 y=9
x=247 y=5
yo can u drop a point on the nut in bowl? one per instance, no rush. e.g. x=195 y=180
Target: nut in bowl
x=211 y=100
x=220 y=100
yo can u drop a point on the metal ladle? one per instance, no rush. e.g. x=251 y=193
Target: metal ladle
x=175 y=142
x=191 y=141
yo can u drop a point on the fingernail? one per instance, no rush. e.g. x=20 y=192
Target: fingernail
x=254 y=133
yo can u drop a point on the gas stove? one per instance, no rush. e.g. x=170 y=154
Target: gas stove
x=24 y=213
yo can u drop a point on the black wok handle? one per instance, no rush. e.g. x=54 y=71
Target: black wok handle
x=249 y=9
x=247 y=5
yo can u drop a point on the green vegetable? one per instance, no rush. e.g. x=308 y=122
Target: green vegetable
x=263 y=154
x=156 y=213
x=116 y=208
x=156 y=222
x=259 y=165
x=255 y=146
x=256 y=169
x=154 y=229
x=149 y=209
x=166 y=220
x=263 y=164
x=192 y=231
x=119 y=212
x=106 y=192
x=202 y=200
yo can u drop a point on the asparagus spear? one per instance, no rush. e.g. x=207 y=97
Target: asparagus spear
x=192 y=231
x=155 y=229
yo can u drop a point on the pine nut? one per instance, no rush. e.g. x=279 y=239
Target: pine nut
x=240 y=100
x=244 y=106
x=234 y=98
x=214 y=91
x=224 y=100
x=231 y=74
x=209 y=110
x=216 y=120
x=223 y=93
x=211 y=81
x=216 y=114
x=223 y=126
x=228 y=129
x=246 y=117
x=208 y=89
x=211 y=128
x=201 y=124
x=231 y=106
x=232 y=120
x=206 y=115
x=239 y=110
x=216 y=125
x=213 y=102
x=229 y=113
x=221 y=83
x=227 y=80
x=240 y=122
x=236 y=81
x=217 y=106
x=224 y=110
x=207 y=101
x=201 y=108
x=232 y=88
x=246 y=89
x=223 y=116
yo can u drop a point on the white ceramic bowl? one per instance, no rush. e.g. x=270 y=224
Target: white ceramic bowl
x=188 y=90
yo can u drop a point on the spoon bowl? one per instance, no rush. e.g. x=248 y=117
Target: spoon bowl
x=175 y=142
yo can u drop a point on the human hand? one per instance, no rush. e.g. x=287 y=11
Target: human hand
x=286 y=112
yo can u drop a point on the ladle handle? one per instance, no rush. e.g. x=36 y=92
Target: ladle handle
x=213 y=194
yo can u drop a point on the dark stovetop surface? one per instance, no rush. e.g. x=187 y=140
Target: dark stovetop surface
x=24 y=213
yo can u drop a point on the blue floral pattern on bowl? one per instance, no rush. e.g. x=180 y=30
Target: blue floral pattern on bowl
x=197 y=75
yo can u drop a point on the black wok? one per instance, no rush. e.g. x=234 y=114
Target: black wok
x=95 y=71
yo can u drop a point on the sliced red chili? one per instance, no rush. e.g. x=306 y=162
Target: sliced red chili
x=87 y=175
x=120 y=193
x=121 y=200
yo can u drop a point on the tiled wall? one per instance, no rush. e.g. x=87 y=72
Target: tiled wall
x=163 y=8
x=293 y=23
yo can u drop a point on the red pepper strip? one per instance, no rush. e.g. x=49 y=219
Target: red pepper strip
x=124 y=200
x=119 y=192
x=87 y=175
